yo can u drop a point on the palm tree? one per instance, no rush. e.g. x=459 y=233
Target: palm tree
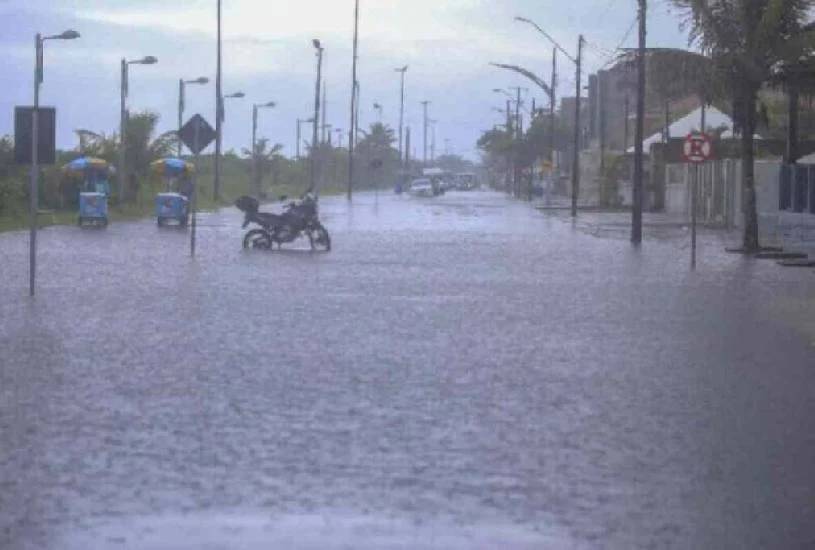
x=377 y=153
x=267 y=159
x=142 y=148
x=746 y=39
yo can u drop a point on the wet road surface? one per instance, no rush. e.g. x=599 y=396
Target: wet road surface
x=461 y=372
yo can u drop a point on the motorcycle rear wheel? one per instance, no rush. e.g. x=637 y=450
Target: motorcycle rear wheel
x=257 y=238
x=319 y=238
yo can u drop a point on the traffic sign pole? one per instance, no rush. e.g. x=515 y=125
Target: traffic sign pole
x=33 y=190
x=694 y=195
x=696 y=150
x=196 y=134
x=194 y=205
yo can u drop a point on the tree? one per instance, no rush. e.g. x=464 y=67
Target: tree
x=266 y=159
x=496 y=147
x=142 y=147
x=11 y=176
x=377 y=154
x=746 y=39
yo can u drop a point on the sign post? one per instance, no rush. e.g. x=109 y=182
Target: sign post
x=697 y=148
x=34 y=144
x=196 y=134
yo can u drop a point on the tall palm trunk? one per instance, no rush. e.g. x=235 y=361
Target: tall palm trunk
x=748 y=127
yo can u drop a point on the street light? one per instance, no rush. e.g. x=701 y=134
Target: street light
x=432 y=123
x=123 y=116
x=222 y=110
x=300 y=122
x=576 y=138
x=424 y=144
x=314 y=143
x=255 y=108
x=182 y=96
x=39 y=42
x=402 y=71
x=219 y=103
x=378 y=108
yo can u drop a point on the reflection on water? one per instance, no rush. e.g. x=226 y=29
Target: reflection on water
x=461 y=367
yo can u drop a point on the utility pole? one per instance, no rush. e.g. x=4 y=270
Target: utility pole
x=576 y=144
x=424 y=144
x=297 y=143
x=637 y=191
x=180 y=113
x=510 y=133
x=407 y=148
x=219 y=106
x=627 y=116
x=516 y=176
x=552 y=106
x=315 y=143
x=322 y=122
x=433 y=141
x=255 y=179
x=353 y=126
x=402 y=70
x=123 y=132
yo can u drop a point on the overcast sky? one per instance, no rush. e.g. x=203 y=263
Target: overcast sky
x=448 y=45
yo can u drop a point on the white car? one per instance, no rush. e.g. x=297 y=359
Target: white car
x=422 y=187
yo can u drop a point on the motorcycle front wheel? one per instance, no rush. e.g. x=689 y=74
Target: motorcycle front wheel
x=257 y=238
x=319 y=238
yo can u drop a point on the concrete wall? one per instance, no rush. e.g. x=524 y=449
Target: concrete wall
x=720 y=201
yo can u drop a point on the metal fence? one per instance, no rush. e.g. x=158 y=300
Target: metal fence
x=796 y=190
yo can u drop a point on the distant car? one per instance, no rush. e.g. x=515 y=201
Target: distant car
x=446 y=184
x=466 y=181
x=422 y=187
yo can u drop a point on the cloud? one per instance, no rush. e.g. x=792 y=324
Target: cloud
x=268 y=54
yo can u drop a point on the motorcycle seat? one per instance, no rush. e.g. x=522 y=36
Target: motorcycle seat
x=267 y=219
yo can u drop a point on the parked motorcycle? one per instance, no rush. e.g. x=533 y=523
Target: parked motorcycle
x=298 y=219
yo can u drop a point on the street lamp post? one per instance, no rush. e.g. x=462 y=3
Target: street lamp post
x=33 y=205
x=255 y=178
x=424 y=125
x=352 y=133
x=378 y=109
x=432 y=123
x=300 y=122
x=182 y=97
x=125 y=85
x=576 y=139
x=316 y=123
x=216 y=185
x=402 y=71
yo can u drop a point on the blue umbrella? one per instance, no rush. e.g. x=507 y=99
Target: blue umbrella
x=170 y=167
x=84 y=165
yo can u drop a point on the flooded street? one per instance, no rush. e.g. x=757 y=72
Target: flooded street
x=460 y=372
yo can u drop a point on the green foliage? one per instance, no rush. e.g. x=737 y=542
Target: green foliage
x=377 y=160
x=11 y=177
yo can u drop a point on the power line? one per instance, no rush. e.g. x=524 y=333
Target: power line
x=622 y=41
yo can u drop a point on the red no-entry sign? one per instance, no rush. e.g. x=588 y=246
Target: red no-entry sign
x=698 y=148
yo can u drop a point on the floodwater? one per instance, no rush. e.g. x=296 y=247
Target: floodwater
x=460 y=372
